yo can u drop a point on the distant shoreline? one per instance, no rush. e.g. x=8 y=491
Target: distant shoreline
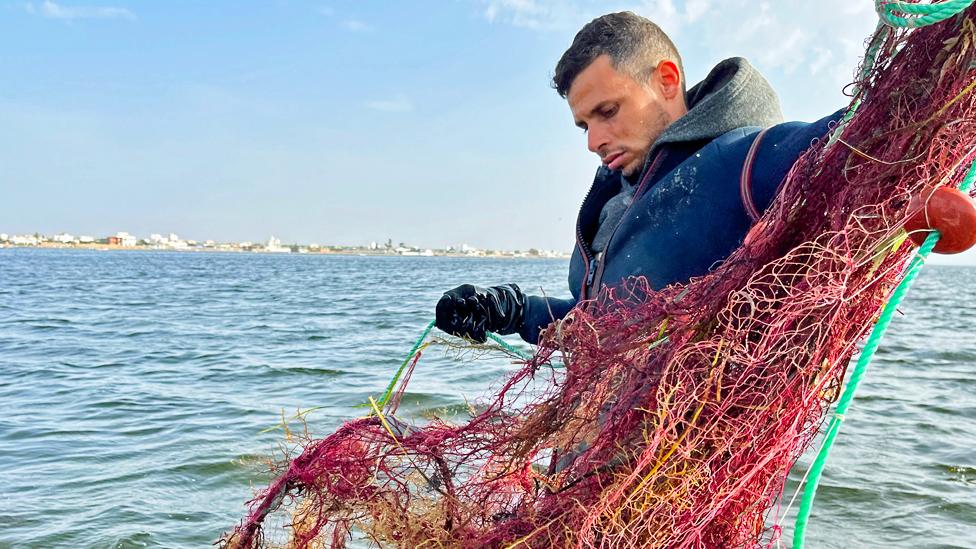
x=322 y=251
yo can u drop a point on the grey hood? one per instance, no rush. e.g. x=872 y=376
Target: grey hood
x=733 y=95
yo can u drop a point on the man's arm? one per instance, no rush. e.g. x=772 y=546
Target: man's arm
x=540 y=312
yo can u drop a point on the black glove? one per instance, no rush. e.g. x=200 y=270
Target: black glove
x=470 y=311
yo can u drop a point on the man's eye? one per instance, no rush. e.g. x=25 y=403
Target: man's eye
x=608 y=112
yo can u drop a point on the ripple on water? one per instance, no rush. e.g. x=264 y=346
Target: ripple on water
x=143 y=392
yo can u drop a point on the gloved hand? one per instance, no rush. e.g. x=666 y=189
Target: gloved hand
x=471 y=311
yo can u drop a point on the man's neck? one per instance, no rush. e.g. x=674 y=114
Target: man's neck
x=633 y=178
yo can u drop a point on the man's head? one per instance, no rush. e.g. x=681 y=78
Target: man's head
x=625 y=84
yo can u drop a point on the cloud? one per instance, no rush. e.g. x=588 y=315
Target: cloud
x=536 y=14
x=557 y=15
x=53 y=10
x=352 y=25
x=563 y=15
x=821 y=60
x=695 y=9
x=356 y=25
x=807 y=49
x=790 y=36
x=789 y=53
x=397 y=104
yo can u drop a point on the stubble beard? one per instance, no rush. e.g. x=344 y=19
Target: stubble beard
x=661 y=123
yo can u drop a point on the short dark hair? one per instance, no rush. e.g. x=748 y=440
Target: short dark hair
x=634 y=44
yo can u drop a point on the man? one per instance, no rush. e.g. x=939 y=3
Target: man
x=685 y=174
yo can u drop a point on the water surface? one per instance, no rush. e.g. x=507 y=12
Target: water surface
x=138 y=389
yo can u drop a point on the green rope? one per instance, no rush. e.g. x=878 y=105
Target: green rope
x=810 y=490
x=396 y=377
x=504 y=345
x=898 y=13
x=413 y=351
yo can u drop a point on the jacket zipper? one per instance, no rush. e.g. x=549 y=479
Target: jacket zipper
x=595 y=270
x=588 y=265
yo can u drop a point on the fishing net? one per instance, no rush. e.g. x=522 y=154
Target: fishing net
x=679 y=411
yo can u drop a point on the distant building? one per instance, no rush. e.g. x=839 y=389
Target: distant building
x=85 y=239
x=172 y=241
x=274 y=246
x=125 y=239
x=114 y=241
x=471 y=250
x=24 y=240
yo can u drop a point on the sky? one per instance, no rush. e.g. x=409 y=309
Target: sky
x=428 y=122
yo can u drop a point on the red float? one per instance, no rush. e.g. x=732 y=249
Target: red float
x=949 y=211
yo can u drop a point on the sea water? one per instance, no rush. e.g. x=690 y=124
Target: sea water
x=142 y=392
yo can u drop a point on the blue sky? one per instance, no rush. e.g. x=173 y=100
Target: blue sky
x=430 y=122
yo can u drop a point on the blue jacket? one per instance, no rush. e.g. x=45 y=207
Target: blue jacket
x=688 y=212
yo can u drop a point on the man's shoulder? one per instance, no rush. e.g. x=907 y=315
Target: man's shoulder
x=786 y=137
x=745 y=133
x=729 y=146
x=782 y=129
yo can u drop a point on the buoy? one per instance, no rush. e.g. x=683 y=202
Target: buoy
x=949 y=211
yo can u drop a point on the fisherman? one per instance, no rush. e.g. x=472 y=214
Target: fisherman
x=685 y=173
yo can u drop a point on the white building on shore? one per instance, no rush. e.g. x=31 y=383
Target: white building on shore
x=274 y=246
x=24 y=240
x=125 y=239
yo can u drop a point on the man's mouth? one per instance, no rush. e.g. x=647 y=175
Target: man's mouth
x=614 y=161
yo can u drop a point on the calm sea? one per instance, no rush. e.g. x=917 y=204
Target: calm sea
x=140 y=390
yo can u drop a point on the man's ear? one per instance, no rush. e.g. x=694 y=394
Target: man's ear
x=670 y=78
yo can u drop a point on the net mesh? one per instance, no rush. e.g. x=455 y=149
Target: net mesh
x=680 y=411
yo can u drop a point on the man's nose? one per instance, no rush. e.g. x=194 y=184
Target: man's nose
x=596 y=139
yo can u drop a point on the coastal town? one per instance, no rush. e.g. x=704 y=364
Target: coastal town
x=171 y=242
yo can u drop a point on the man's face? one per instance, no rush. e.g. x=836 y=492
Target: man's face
x=621 y=117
